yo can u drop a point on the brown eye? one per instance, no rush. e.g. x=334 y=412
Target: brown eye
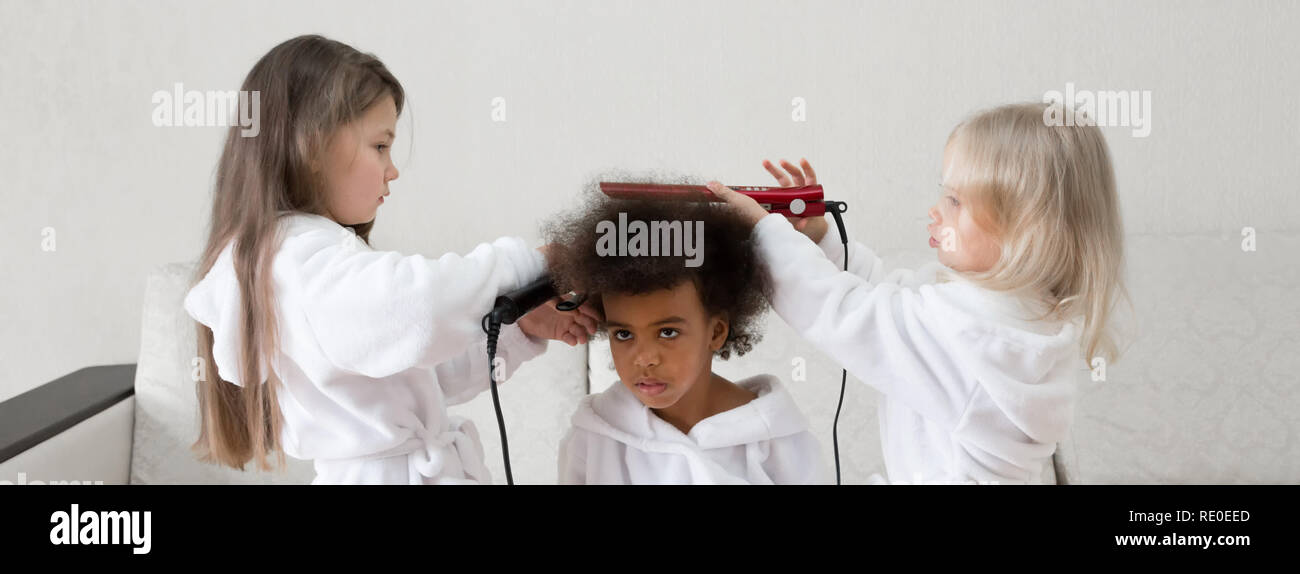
x=618 y=335
x=672 y=333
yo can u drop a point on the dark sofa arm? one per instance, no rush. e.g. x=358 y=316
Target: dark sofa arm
x=36 y=415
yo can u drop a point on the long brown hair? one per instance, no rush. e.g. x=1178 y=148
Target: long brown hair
x=309 y=87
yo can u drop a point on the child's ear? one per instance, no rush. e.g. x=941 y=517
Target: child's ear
x=721 y=327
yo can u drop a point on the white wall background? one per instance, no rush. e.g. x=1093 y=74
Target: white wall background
x=696 y=87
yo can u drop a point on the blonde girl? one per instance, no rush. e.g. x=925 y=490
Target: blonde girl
x=976 y=354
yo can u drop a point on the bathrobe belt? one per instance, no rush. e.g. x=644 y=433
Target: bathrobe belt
x=429 y=453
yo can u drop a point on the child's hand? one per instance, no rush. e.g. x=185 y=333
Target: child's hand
x=814 y=227
x=749 y=209
x=572 y=327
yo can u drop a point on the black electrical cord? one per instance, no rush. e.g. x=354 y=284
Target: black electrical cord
x=506 y=310
x=836 y=208
x=492 y=326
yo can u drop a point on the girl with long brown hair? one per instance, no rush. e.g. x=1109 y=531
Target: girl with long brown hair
x=316 y=345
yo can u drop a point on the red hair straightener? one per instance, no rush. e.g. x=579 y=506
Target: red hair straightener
x=806 y=201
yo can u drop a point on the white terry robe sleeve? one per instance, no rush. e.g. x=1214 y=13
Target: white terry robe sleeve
x=864 y=262
x=377 y=313
x=464 y=377
x=880 y=331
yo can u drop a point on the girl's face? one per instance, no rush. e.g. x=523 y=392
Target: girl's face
x=663 y=343
x=358 y=164
x=963 y=245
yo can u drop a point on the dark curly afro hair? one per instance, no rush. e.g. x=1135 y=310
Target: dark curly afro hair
x=729 y=279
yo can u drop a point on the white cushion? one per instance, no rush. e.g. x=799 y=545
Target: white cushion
x=1206 y=394
x=166 y=415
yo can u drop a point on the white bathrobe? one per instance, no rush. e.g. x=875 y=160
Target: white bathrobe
x=616 y=439
x=975 y=391
x=373 y=347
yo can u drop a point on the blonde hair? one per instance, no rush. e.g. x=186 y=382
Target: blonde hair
x=1049 y=194
x=310 y=86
